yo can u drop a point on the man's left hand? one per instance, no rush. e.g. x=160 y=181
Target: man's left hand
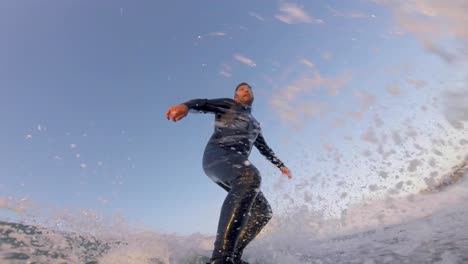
x=286 y=172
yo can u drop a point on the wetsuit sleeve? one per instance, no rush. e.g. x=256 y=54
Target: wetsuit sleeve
x=266 y=151
x=209 y=105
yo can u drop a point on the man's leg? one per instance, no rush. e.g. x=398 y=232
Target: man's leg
x=245 y=186
x=260 y=214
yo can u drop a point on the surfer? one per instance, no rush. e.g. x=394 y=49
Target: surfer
x=245 y=210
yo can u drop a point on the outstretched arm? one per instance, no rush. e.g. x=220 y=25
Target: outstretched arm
x=266 y=151
x=209 y=105
x=178 y=112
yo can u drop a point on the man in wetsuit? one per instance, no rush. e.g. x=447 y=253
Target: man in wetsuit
x=245 y=210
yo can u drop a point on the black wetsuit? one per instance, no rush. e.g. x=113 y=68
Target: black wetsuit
x=245 y=210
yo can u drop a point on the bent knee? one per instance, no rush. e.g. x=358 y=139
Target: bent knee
x=268 y=213
x=249 y=181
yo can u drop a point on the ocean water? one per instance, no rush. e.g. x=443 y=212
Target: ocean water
x=429 y=227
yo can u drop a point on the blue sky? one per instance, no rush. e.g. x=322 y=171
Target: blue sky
x=86 y=84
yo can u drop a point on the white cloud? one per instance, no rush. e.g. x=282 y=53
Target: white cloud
x=393 y=89
x=216 y=34
x=257 y=16
x=289 y=101
x=308 y=63
x=225 y=73
x=327 y=55
x=332 y=84
x=293 y=14
x=416 y=83
x=225 y=70
x=432 y=22
x=366 y=101
x=243 y=59
x=349 y=13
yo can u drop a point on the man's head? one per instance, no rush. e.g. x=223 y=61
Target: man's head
x=244 y=94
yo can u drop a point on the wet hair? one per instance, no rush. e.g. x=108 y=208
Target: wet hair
x=244 y=83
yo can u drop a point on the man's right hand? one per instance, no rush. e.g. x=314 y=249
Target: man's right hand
x=177 y=112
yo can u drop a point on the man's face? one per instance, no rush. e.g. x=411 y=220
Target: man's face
x=244 y=94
